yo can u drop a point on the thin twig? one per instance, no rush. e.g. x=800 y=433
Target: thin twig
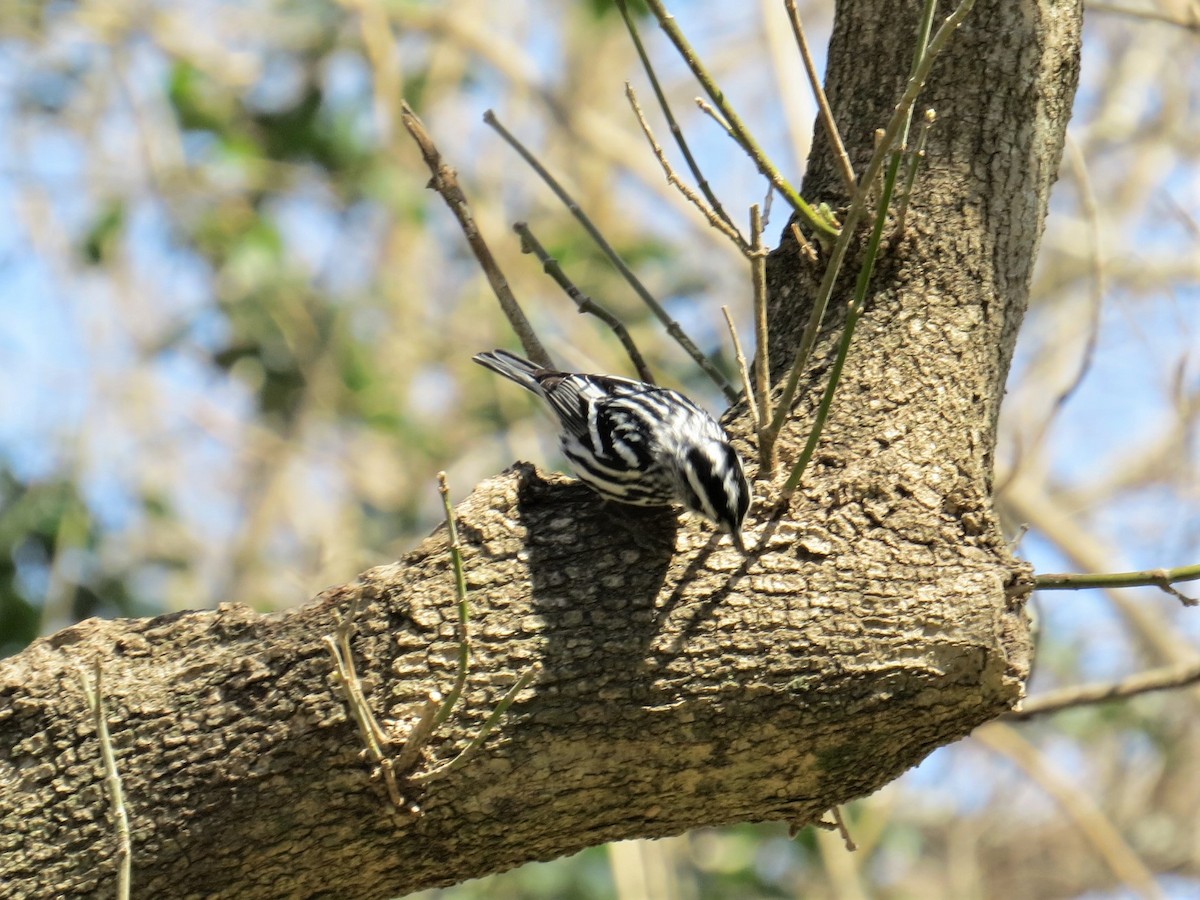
x=823 y=229
x=769 y=432
x=445 y=182
x=742 y=370
x=1163 y=579
x=914 y=165
x=112 y=778
x=920 y=48
x=1028 y=500
x=854 y=309
x=377 y=739
x=928 y=11
x=842 y=829
x=762 y=364
x=464 y=608
x=1099 y=831
x=1161 y=679
x=418 y=734
x=706 y=108
x=838 y=825
x=432 y=716
x=717 y=221
x=842 y=868
x=484 y=730
x=897 y=123
x=585 y=304
x=814 y=80
x=676 y=131
x=803 y=243
x=669 y=323
x=377 y=742
x=853 y=312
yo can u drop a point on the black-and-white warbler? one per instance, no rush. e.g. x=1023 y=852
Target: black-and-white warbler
x=637 y=443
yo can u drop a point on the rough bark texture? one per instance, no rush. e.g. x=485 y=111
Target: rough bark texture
x=878 y=618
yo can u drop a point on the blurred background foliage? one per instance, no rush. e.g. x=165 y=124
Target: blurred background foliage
x=236 y=334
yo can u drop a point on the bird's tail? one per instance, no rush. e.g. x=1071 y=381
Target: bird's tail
x=512 y=367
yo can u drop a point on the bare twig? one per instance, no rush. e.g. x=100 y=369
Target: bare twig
x=464 y=610
x=418 y=734
x=676 y=131
x=853 y=311
x=1186 y=219
x=585 y=304
x=1163 y=579
x=921 y=47
x=435 y=710
x=1027 y=500
x=1077 y=804
x=717 y=221
x=823 y=229
x=432 y=716
x=376 y=741
x=897 y=123
x=826 y=114
x=762 y=365
x=768 y=199
x=914 y=165
x=706 y=108
x=445 y=182
x=669 y=323
x=839 y=823
x=769 y=432
x=803 y=243
x=742 y=370
x=94 y=694
x=1161 y=679
x=339 y=644
x=484 y=729
x=887 y=140
x=842 y=868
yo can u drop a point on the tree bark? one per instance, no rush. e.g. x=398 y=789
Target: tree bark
x=879 y=617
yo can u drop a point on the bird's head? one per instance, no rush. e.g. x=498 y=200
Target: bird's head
x=713 y=484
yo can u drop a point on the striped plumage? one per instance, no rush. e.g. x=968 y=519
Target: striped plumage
x=637 y=443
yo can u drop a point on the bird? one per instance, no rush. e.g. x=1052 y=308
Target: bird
x=638 y=443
